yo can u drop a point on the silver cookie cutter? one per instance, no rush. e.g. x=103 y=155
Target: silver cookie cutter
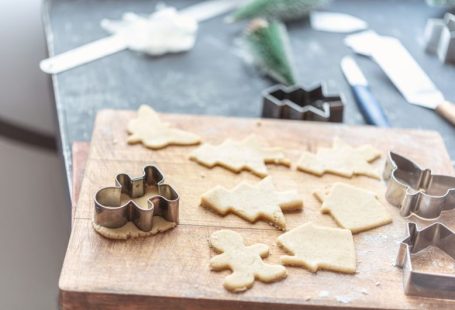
x=439 y=37
x=298 y=103
x=109 y=212
x=426 y=284
x=415 y=190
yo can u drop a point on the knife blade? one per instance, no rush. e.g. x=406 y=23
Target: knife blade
x=115 y=43
x=367 y=103
x=404 y=72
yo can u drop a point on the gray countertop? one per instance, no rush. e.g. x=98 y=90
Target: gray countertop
x=214 y=79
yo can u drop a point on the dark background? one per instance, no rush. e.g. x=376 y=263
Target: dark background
x=213 y=78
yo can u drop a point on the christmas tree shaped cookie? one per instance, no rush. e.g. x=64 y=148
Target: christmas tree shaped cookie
x=149 y=130
x=253 y=202
x=342 y=159
x=249 y=154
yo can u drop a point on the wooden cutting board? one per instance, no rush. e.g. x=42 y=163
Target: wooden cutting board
x=170 y=270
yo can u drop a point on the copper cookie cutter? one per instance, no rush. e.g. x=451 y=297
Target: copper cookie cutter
x=111 y=213
x=427 y=284
x=298 y=103
x=415 y=190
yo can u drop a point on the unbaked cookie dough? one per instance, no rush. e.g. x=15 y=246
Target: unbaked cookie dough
x=148 y=129
x=342 y=159
x=353 y=208
x=317 y=247
x=253 y=202
x=244 y=261
x=249 y=154
x=129 y=230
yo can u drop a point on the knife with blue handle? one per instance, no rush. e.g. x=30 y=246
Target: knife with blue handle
x=367 y=103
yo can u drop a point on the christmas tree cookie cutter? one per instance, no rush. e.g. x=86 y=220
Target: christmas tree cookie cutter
x=112 y=213
x=439 y=37
x=426 y=284
x=417 y=191
x=298 y=103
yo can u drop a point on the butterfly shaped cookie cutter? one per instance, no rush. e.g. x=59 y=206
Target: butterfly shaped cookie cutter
x=426 y=284
x=415 y=190
x=298 y=103
x=112 y=213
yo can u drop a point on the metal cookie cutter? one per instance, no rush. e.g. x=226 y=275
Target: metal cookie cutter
x=297 y=103
x=436 y=285
x=439 y=37
x=111 y=213
x=415 y=190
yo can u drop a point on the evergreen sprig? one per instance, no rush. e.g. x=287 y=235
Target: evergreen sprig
x=268 y=43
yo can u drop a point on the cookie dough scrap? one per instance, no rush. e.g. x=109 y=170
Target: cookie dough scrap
x=149 y=130
x=342 y=159
x=317 y=247
x=353 y=208
x=253 y=202
x=245 y=262
x=129 y=230
x=248 y=154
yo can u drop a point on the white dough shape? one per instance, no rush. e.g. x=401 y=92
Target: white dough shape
x=336 y=22
x=164 y=31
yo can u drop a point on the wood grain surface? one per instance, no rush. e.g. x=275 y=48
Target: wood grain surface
x=170 y=270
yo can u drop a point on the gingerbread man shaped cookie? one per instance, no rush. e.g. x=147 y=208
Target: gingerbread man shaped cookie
x=244 y=261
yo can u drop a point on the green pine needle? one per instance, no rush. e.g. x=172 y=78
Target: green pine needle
x=268 y=43
x=276 y=9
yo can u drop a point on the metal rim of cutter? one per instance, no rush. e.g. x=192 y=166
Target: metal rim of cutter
x=276 y=104
x=439 y=37
x=109 y=213
x=417 y=191
x=426 y=284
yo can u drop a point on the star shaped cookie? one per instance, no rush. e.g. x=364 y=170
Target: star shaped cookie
x=248 y=154
x=342 y=159
x=353 y=208
x=253 y=202
x=317 y=247
x=149 y=130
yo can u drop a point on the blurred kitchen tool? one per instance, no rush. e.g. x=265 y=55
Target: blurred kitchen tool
x=268 y=44
x=336 y=22
x=298 y=103
x=283 y=10
x=439 y=37
x=116 y=43
x=404 y=72
x=367 y=103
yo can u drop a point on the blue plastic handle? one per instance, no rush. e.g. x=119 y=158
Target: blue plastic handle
x=369 y=106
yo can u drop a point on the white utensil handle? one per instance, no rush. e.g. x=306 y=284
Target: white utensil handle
x=83 y=54
x=447 y=110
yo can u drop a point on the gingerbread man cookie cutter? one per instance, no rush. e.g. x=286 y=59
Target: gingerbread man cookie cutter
x=427 y=284
x=415 y=190
x=112 y=213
